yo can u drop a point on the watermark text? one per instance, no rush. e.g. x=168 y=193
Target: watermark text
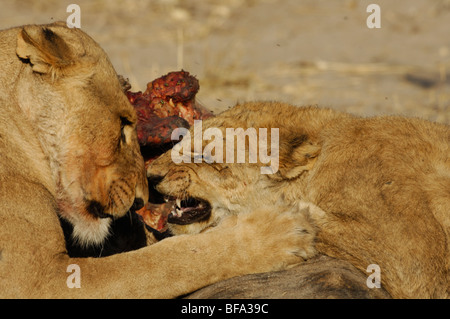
x=241 y=145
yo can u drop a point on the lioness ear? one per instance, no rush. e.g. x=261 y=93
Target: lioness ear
x=43 y=48
x=297 y=154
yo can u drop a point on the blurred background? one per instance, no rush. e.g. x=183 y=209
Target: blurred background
x=299 y=51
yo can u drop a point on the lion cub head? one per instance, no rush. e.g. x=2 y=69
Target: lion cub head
x=71 y=95
x=261 y=168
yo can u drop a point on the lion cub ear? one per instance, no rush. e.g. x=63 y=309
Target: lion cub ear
x=297 y=154
x=44 y=49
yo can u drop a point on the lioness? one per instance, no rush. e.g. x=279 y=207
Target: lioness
x=68 y=148
x=380 y=188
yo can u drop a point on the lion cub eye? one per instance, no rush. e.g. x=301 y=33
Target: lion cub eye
x=123 y=122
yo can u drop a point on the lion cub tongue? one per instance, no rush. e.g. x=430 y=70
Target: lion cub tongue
x=155 y=215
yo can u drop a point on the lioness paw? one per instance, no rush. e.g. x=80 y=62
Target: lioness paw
x=275 y=238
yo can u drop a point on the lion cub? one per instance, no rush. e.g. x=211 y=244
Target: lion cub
x=378 y=189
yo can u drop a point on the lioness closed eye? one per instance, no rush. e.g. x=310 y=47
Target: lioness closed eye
x=380 y=188
x=68 y=149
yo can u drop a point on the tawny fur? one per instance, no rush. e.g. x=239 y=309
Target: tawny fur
x=67 y=137
x=378 y=188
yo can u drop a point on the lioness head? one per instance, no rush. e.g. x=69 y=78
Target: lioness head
x=210 y=184
x=71 y=94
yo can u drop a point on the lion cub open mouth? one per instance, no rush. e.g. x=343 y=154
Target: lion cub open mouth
x=189 y=210
x=163 y=210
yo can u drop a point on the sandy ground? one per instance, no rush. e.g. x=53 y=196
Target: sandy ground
x=298 y=51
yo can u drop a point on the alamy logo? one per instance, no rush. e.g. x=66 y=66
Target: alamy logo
x=74 y=279
x=74 y=20
x=215 y=152
x=374 y=19
x=374 y=280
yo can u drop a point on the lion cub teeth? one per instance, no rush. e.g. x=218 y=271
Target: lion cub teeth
x=177 y=211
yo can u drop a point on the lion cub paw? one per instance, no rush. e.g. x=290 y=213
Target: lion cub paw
x=274 y=238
